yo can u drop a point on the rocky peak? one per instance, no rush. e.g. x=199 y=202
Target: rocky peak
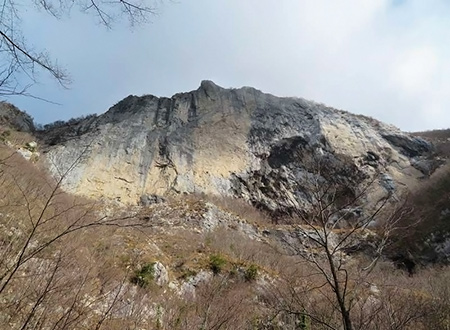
x=209 y=88
x=236 y=142
x=11 y=116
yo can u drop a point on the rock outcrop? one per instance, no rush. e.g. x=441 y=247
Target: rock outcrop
x=236 y=142
x=13 y=117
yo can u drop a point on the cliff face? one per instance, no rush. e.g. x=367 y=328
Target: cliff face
x=11 y=116
x=238 y=142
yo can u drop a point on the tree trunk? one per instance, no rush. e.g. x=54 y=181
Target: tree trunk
x=345 y=314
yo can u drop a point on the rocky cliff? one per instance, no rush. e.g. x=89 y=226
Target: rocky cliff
x=235 y=142
x=12 y=117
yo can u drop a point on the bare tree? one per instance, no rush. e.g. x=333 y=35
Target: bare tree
x=220 y=303
x=41 y=268
x=340 y=219
x=21 y=62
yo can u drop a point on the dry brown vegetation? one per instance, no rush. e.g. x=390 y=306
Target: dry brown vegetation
x=440 y=139
x=52 y=274
x=235 y=206
x=68 y=263
x=428 y=225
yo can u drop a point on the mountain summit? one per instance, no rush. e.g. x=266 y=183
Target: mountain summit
x=234 y=142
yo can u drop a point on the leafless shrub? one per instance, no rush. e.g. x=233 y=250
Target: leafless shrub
x=428 y=223
x=240 y=208
x=329 y=231
x=219 y=304
x=48 y=279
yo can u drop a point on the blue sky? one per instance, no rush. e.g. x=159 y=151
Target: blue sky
x=384 y=58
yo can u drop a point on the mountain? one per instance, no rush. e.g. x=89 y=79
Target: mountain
x=231 y=142
x=222 y=209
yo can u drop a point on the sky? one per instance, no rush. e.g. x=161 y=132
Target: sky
x=388 y=59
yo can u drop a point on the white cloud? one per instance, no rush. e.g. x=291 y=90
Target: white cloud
x=333 y=23
x=416 y=70
x=384 y=58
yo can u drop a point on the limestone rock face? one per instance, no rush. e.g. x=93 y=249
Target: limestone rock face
x=236 y=142
x=12 y=116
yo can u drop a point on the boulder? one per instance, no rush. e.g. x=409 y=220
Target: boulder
x=161 y=274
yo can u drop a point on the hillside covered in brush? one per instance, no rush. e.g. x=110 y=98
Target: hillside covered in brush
x=222 y=209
